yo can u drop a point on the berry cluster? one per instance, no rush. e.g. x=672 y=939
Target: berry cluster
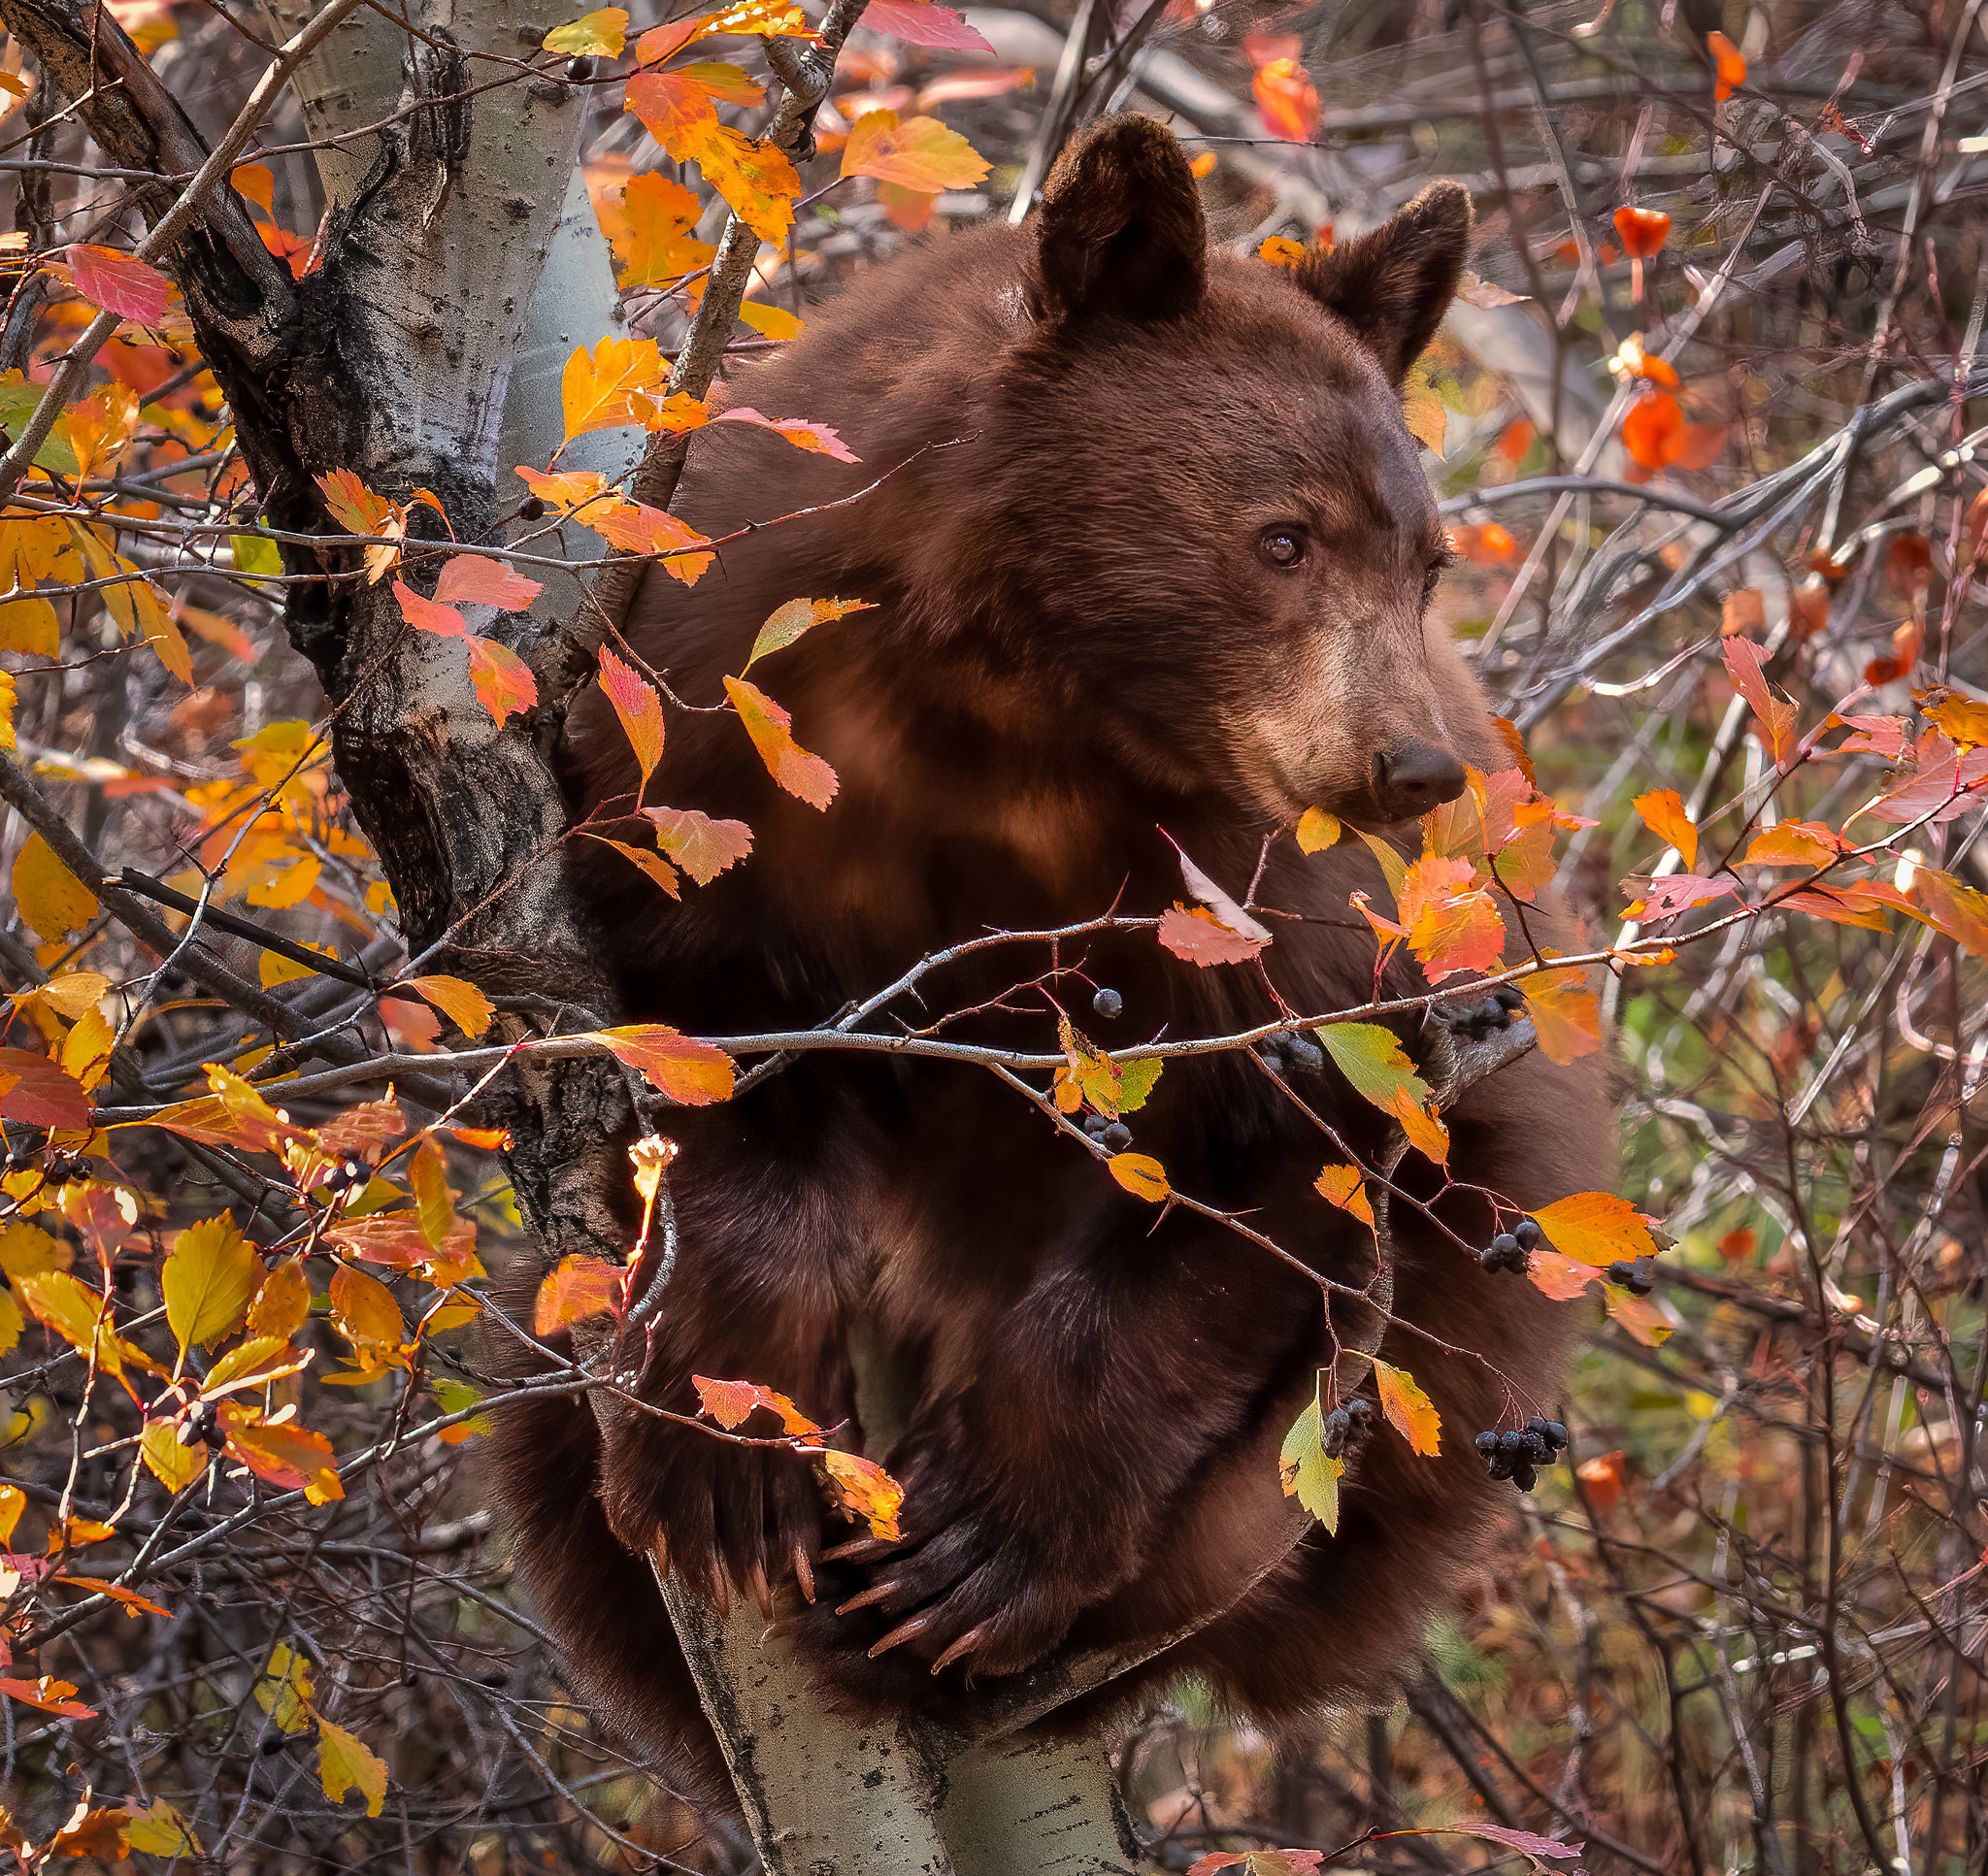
x=1513 y=1250
x=1343 y=1425
x=1638 y=1276
x=1114 y=1135
x=1289 y=1054
x=1516 y=1455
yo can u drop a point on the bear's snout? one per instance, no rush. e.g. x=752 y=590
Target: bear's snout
x=1413 y=778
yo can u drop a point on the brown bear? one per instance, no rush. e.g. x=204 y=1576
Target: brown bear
x=1151 y=555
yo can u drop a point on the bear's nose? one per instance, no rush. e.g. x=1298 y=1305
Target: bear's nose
x=1413 y=778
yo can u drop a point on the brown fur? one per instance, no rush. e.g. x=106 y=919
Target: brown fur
x=1090 y=422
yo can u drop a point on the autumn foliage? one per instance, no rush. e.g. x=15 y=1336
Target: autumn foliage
x=1710 y=473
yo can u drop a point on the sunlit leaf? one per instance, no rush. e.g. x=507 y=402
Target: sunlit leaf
x=49 y=896
x=689 y=1071
x=702 y=847
x=1373 y=1060
x=1410 y=1410
x=732 y=1402
x=119 y=283
x=920 y=153
x=345 y=1764
x=1308 y=1473
x=1596 y=1227
x=40 y=1093
x=457 y=998
x=816 y=437
x=638 y=707
x=599 y=34
x=798 y=616
x=771 y=729
x=574 y=1289
x=1345 y=1187
x=291 y=1457
x=1663 y=813
x=176 y=1466
x=286 y=1686
x=159 y=1830
x=920 y=24
x=1317 y=830
x=619 y=384
x=1453 y=923
x=1195 y=936
x=476 y=579
x=1140 y=1174
x=207 y=1281
x=868 y=1490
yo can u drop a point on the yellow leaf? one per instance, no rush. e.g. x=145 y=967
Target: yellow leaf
x=1423 y=1126
x=1567 y=1015
x=1307 y=1471
x=599 y=34
x=276 y=969
x=920 y=155
x=30 y=626
x=285 y=1689
x=868 y=1490
x=797 y=616
x=619 y=384
x=1961 y=718
x=1317 y=830
x=25 y=1249
x=12 y=1323
x=1663 y=813
x=282 y=1304
x=159 y=1830
x=1596 y=1227
x=658 y=243
x=364 y=1311
x=291 y=1457
x=10 y=698
x=86 y=1048
x=344 y=1765
x=457 y=998
x=1410 y=1411
x=434 y=1202
x=208 y=1276
x=12 y=1503
x=577 y=1288
x=75 y=992
x=1344 y=1187
x=75 y=1312
x=51 y=898
x=174 y=1466
x=770 y=321
x=1140 y=1174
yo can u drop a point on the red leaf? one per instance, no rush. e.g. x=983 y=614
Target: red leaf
x=36 y=1092
x=1677 y=893
x=919 y=25
x=1745 y=664
x=1642 y=231
x=119 y=283
x=731 y=1403
x=426 y=616
x=1199 y=936
x=474 y=579
x=574 y=1289
x=638 y=707
x=771 y=729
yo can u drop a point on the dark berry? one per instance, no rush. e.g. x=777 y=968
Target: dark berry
x=1338 y=1425
x=1502 y=1464
x=1360 y=1407
x=580 y=70
x=1095 y=1124
x=1556 y=1436
x=1511 y=1444
x=531 y=508
x=1506 y=1245
x=1529 y=1235
x=1116 y=1138
x=1108 y=1005
x=1524 y=1477
x=1305 y=1054
x=1538 y=1452
x=1635 y=1278
x=1486 y=1442
x=1271 y=1053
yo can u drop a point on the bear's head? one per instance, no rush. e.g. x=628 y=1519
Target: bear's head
x=1213 y=522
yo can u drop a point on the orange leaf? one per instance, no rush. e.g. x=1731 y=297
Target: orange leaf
x=1596 y=1227
x=577 y=1288
x=1423 y=1126
x=1730 y=63
x=48 y=1694
x=920 y=153
x=1343 y=1187
x=616 y=386
x=731 y=1403
x=702 y=847
x=868 y=1490
x=502 y=680
x=1648 y=427
x=1663 y=813
x=658 y=870
x=1410 y=1411
x=1453 y=924
x=639 y=710
x=1642 y=231
x=1559 y=1278
x=1286 y=98
x=457 y=998
x=660 y=245
x=1794 y=843
x=771 y=729
x=290 y=1457
x=692 y=1073
x=637 y=528
x=1140 y=1174
x=1567 y=1015
x=803 y=435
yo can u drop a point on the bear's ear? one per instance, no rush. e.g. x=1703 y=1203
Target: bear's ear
x=1119 y=229
x=1394 y=283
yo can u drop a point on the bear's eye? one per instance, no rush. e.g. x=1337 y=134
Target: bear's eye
x=1282 y=546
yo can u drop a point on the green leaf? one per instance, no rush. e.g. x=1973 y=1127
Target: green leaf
x=1307 y=1474
x=1372 y=1058
x=1136 y=1082
x=257 y=555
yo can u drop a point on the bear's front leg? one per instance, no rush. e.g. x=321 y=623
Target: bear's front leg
x=1046 y=1482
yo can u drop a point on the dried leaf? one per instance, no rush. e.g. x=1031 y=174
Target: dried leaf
x=797 y=616
x=731 y=1405
x=477 y=580
x=869 y=1492
x=1198 y=937
x=702 y=847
